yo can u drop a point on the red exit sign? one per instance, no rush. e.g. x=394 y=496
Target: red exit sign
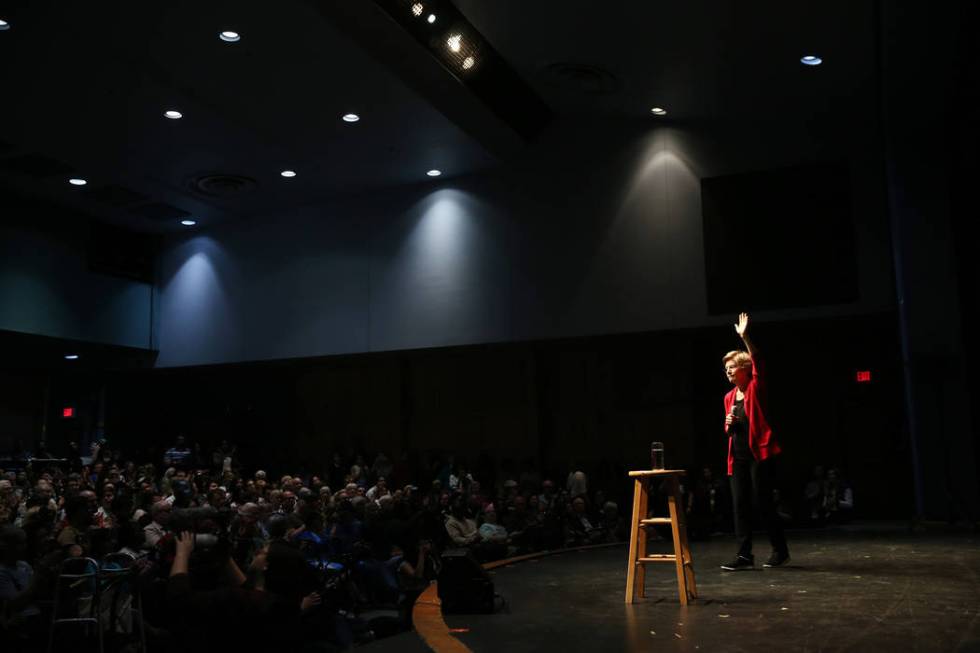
x=864 y=376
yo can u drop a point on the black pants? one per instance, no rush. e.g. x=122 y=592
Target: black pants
x=752 y=484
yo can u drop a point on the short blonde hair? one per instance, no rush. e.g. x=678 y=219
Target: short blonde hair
x=740 y=358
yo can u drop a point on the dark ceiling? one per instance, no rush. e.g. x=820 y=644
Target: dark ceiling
x=85 y=86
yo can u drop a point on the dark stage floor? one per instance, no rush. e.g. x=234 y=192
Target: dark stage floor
x=870 y=588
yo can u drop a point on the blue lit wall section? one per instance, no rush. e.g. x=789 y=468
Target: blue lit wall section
x=441 y=275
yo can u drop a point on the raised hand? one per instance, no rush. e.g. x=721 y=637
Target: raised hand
x=185 y=543
x=742 y=324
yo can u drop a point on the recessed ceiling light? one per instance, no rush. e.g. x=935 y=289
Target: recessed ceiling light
x=431 y=18
x=811 y=60
x=468 y=63
x=77 y=181
x=71 y=357
x=351 y=117
x=173 y=115
x=188 y=222
x=417 y=9
x=434 y=173
x=229 y=36
x=658 y=111
x=288 y=173
x=4 y=25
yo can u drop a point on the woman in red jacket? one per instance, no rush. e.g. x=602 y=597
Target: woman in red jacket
x=751 y=447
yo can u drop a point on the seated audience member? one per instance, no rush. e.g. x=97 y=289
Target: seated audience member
x=548 y=494
x=156 y=529
x=705 y=506
x=75 y=538
x=495 y=538
x=813 y=493
x=577 y=485
x=246 y=534
x=416 y=569
x=287 y=572
x=581 y=530
x=20 y=618
x=612 y=524
x=460 y=526
x=378 y=490
x=838 y=498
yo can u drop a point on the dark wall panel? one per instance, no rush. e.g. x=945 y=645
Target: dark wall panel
x=779 y=239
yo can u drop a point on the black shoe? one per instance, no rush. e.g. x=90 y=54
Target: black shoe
x=740 y=562
x=777 y=559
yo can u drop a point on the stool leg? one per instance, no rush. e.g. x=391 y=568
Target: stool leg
x=641 y=540
x=634 y=529
x=692 y=586
x=673 y=500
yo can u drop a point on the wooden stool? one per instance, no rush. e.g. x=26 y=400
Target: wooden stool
x=635 y=572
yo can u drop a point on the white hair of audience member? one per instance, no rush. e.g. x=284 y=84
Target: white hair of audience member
x=578 y=484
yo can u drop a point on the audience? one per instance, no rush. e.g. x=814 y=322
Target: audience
x=225 y=552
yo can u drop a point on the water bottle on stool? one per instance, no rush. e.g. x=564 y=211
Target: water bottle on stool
x=657 y=455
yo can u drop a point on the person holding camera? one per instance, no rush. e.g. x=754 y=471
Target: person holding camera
x=241 y=614
x=751 y=448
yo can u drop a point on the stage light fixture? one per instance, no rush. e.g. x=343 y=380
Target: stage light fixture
x=77 y=181
x=431 y=18
x=229 y=36
x=417 y=9
x=658 y=111
x=71 y=357
x=289 y=174
x=188 y=222
x=811 y=60
x=434 y=173
x=350 y=117
x=455 y=42
x=468 y=63
x=173 y=115
x=4 y=25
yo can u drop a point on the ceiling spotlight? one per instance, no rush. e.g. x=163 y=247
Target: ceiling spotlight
x=188 y=222
x=434 y=173
x=431 y=18
x=4 y=25
x=351 y=117
x=417 y=9
x=288 y=173
x=455 y=42
x=77 y=181
x=811 y=60
x=71 y=357
x=173 y=115
x=658 y=111
x=468 y=63
x=229 y=36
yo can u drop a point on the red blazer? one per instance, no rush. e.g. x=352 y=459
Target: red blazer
x=762 y=442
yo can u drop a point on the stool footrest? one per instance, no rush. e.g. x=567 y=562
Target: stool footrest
x=658 y=557
x=664 y=557
x=655 y=520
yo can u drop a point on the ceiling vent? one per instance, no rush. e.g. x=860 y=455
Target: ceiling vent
x=223 y=186
x=582 y=78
